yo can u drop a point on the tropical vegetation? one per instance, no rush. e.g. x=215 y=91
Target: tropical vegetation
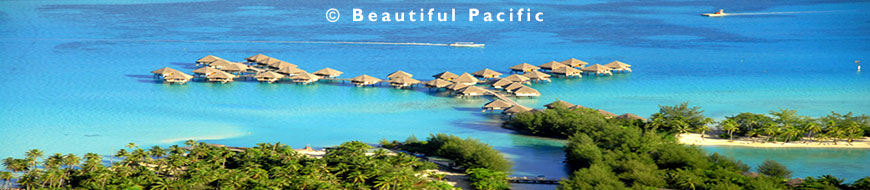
x=352 y=165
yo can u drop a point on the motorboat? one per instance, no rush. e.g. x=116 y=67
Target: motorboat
x=716 y=14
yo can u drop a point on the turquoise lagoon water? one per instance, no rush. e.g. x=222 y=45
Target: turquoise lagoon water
x=64 y=91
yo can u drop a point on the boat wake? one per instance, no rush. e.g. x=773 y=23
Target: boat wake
x=782 y=13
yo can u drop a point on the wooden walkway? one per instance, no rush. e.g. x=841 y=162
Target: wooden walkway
x=501 y=96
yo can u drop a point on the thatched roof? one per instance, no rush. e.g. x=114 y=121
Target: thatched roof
x=256 y=58
x=552 y=65
x=501 y=83
x=457 y=86
x=164 y=70
x=597 y=68
x=268 y=74
x=567 y=71
x=281 y=64
x=205 y=70
x=329 y=72
x=403 y=80
x=224 y=65
x=497 y=104
x=176 y=75
x=617 y=65
x=291 y=70
x=365 y=79
x=486 y=73
x=517 y=78
x=472 y=90
x=438 y=83
x=446 y=75
x=526 y=91
x=606 y=113
x=578 y=107
x=466 y=78
x=514 y=86
x=524 y=67
x=305 y=76
x=208 y=59
x=630 y=116
x=536 y=75
x=574 y=63
x=221 y=75
x=399 y=73
x=559 y=102
x=516 y=109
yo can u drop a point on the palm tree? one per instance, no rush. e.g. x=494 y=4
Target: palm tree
x=33 y=155
x=770 y=131
x=812 y=127
x=730 y=126
x=6 y=177
x=703 y=129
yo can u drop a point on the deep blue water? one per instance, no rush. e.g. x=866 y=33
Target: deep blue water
x=65 y=90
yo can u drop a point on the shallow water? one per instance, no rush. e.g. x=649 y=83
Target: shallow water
x=64 y=91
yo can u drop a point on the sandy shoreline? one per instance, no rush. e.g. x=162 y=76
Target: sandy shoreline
x=709 y=140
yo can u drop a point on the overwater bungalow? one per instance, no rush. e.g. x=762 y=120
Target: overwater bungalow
x=176 y=77
x=399 y=73
x=466 y=79
x=496 y=104
x=515 y=110
x=446 y=75
x=163 y=71
x=619 y=66
x=501 y=83
x=526 y=91
x=537 y=76
x=567 y=72
x=437 y=83
x=513 y=86
x=207 y=60
x=606 y=114
x=456 y=86
x=629 y=116
x=517 y=78
x=576 y=63
x=257 y=59
x=403 y=81
x=560 y=103
x=304 y=78
x=364 y=80
x=524 y=67
x=328 y=73
x=222 y=77
x=205 y=71
x=552 y=65
x=597 y=69
x=472 y=91
x=227 y=66
x=486 y=74
x=290 y=71
x=280 y=64
x=268 y=76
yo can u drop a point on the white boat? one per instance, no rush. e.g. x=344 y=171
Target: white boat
x=466 y=44
x=716 y=14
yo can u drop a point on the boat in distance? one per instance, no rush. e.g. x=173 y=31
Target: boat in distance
x=716 y=14
x=466 y=44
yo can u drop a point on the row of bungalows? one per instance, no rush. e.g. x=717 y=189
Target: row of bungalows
x=506 y=107
x=573 y=68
